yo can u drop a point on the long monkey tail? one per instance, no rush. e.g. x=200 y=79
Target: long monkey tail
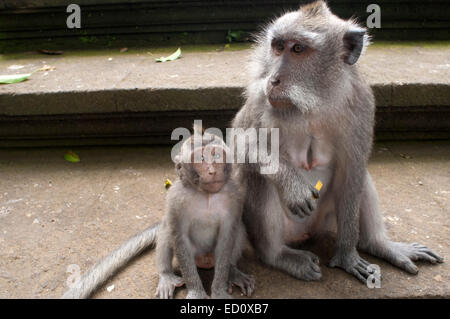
x=102 y=270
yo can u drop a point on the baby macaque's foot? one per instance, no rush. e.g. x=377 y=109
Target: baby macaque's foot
x=221 y=294
x=196 y=294
x=245 y=282
x=167 y=284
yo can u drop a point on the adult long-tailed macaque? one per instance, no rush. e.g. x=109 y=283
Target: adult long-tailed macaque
x=202 y=227
x=304 y=81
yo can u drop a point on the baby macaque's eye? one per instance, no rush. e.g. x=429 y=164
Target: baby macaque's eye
x=216 y=156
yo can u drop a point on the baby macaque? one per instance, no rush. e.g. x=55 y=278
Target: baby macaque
x=202 y=228
x=202 y=225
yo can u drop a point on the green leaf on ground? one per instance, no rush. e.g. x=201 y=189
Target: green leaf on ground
x=71 y=157
x=235 y=36
x=171 y=57
x=14 y=78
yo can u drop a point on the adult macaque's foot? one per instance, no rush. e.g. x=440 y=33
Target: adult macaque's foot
x=352 y=263
x=245 y=282
x=402 y=255
x=301 y=264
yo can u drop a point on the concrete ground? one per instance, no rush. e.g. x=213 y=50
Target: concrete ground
x=54 y=213
x=412 y=74
x=105 y=96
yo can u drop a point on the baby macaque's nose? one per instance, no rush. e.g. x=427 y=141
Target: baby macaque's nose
x=212 y=171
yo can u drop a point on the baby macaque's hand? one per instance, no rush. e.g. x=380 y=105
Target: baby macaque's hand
x=167 y=284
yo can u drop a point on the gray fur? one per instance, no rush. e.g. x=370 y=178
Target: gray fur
x=183 y=233
x=104 y=269
x=325 y=111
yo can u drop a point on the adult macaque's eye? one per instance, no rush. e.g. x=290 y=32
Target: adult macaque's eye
x=217 y=156
x=298 y=48
x=278 y=46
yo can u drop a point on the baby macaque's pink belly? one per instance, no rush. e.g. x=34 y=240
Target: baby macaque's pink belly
x=205 y=261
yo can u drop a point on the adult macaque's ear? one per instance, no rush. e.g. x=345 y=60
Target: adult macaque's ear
x=353 y=44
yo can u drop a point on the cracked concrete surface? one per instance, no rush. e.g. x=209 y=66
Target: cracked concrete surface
x=54 y=213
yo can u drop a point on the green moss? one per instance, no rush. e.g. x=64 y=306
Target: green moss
x=403 y=44
x=154 y=51
x=88 y=39
x=151 y=51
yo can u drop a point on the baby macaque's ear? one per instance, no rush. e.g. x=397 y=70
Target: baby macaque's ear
x=179 y=170
x=178 y=165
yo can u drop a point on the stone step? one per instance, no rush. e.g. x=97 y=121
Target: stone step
x=110 y=97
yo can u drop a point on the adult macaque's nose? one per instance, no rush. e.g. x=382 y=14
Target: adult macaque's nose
x=275 y=81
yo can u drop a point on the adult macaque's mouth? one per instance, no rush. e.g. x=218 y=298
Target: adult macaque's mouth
x=280 y=102
x=213 y=182
x=212 y=187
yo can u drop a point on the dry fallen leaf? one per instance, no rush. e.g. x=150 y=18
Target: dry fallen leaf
x=47 y=68
x=405 y=156
x=16 y=67
x=438 y=278
x=50 y=52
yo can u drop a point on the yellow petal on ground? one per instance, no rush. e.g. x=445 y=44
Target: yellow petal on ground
x=168 y=183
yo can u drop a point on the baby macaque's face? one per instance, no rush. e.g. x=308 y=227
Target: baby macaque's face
x=210 y=167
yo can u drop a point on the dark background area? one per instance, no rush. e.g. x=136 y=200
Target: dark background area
x=30 y=24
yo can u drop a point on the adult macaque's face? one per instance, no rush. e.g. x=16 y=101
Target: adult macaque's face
x=211 y=168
